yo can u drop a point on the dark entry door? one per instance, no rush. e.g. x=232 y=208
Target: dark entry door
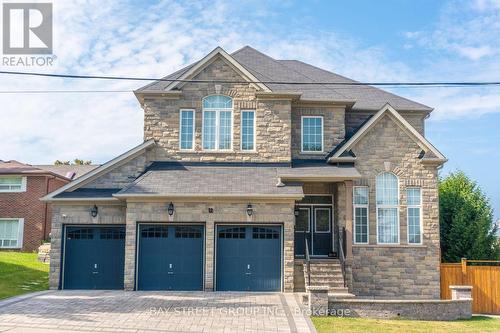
x=170 y=257
x=314 y=224
x=248 y=258
x=94 y=257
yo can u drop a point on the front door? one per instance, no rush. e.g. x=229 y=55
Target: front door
x=313 y=226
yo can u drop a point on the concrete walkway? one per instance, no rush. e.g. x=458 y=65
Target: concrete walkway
x=120 y=311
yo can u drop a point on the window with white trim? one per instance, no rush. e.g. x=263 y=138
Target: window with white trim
x=387 y=190
x=217 y=122
x=312 y=134
x=248 y=130
x=414 y=218
x=11 y=233
x=12 y=184
x=186 y=132
x=360 y=202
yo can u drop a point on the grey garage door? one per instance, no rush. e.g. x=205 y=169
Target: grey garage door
x=94 y=257
x=248 y=258
x=170 y=257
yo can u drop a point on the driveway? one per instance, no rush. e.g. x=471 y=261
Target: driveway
x=121 y=311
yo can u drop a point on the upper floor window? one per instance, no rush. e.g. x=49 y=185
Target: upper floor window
x=217 y=122
x=360 y=202
x=12 y=184
x=248 y=130
x=387 y=208
x=11 y=233
x=186 y=132
x=312 y=134
x=414 y=203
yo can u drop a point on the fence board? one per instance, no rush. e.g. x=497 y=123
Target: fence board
x=485 y=281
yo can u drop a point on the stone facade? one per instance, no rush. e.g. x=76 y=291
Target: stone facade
x=354 y=119
x=333 y=128
x=122 y=175
x=402 y=270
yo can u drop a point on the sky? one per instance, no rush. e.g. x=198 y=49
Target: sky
x=389 y=40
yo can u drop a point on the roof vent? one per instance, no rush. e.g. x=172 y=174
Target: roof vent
x=70 y=174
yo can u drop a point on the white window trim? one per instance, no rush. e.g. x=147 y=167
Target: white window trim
x=180 y=129
x=388 y=206
x=329 y=210
x=217 y=129
x=20 y=233
x=254 y=131
x=302 y=151
x=367 y=206
x=23 y=184
x=309 y=211
x=420 y=218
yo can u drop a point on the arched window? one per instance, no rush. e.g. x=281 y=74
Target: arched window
x=387 y=189
x=217 y=122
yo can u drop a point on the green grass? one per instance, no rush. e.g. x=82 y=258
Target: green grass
x=21 y=273
x=364 y=325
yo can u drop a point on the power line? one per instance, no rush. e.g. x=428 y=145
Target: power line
x=350 y=83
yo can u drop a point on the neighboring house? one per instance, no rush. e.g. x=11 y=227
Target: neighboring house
x=237 y=173
x=24 y=219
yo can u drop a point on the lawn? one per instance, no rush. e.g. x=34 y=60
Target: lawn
x=363 y=325
x=21 y=273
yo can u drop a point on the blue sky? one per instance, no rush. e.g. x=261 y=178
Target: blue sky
x=366 y=40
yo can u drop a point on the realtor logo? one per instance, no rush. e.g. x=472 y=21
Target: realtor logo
x=27 y=28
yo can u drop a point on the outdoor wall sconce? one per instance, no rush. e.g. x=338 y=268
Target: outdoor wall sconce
x=296 y=211
x=94 y=211
x=170 y=209
x=249 y=210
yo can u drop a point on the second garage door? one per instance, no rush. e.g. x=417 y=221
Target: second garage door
x=248 y=258
x=170 y=257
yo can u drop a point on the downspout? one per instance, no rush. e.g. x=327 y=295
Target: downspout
x=46 y=212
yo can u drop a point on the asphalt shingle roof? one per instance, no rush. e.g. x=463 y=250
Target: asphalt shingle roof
x=268 y=69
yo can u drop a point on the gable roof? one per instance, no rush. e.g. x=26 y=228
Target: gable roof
x=264 y=68
x=66 y=172
x=341 y=153
x=99 y=171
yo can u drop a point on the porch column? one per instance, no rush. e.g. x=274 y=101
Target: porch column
x=348 y=218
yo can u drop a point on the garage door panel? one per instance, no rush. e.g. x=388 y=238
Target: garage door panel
x=94 y=257
x=170 y=257
x=248 y=258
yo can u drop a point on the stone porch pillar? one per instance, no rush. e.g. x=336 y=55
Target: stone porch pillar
x=209 y=255
x=348 y=219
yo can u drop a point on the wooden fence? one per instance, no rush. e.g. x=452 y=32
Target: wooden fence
x=482 y=275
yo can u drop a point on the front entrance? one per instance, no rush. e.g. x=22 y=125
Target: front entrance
x=314 y=224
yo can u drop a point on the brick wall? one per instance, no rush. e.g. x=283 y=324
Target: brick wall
x=27 y=205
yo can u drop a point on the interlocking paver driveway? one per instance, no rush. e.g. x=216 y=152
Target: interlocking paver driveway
x=120 y=311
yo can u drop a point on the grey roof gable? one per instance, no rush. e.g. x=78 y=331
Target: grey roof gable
x=268 y=69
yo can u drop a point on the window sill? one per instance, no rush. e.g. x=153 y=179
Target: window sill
x=391 y=245
x=312 y=152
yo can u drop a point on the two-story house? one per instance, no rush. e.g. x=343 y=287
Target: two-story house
x=250 y=167
x=25 y=220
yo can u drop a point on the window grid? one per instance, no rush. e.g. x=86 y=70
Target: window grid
x=361 y=226
x=10 y=233
x=187 y=232
x=187 y=129
x=81 y=233
x=112 y=233
x=217 y=122
x=414 y=218
x=387 y=193
x=247 y=130
x=160 y=231
x=238 y=233
x=312 y=134
x=265 y=233
x=12 y=184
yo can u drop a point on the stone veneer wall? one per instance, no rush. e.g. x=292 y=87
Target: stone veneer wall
x=354 y=119
x=273 y=121
x=122 y=175
x=333 y=128
x=189 y=212
x=76 y=214
x=394 y=271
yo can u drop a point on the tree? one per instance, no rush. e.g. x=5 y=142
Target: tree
x=76 y=161
x=466 y=220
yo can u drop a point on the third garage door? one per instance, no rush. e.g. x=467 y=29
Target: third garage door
x=170 y=257
x=248 y=258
